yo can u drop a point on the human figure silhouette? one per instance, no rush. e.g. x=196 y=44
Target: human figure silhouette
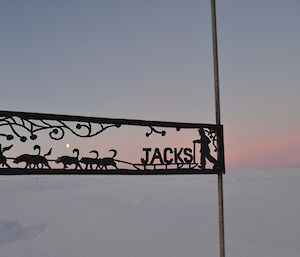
x=204 y=142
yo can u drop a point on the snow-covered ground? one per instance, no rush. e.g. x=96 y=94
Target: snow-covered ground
x=150 y=216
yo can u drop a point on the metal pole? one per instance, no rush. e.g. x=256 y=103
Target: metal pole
x=218 y=122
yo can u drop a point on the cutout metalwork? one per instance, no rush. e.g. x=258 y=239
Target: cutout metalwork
x=35 y=143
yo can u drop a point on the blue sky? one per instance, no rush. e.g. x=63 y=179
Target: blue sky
x=153 y=60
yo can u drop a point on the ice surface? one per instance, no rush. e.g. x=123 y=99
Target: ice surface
x=12 y=231
x=150 y=216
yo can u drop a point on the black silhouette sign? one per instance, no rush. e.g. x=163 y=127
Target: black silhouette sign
x=33 y=143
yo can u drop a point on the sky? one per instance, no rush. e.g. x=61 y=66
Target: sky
x=153 y=60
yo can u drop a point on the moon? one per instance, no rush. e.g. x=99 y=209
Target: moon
x=68 y=145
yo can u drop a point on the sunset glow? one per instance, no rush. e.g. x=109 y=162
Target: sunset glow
x=153 y=61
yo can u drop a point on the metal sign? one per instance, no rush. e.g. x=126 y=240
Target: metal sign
x=34 y=143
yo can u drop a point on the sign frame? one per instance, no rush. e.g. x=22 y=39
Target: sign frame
x=27 y=127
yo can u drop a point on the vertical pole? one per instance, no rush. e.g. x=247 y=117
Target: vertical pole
x=221 y=216
x=218 y=122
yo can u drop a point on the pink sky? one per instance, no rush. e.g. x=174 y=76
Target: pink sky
x=152 y=60
x=279 y=150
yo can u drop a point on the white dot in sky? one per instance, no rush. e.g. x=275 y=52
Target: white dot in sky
x=67 y=145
